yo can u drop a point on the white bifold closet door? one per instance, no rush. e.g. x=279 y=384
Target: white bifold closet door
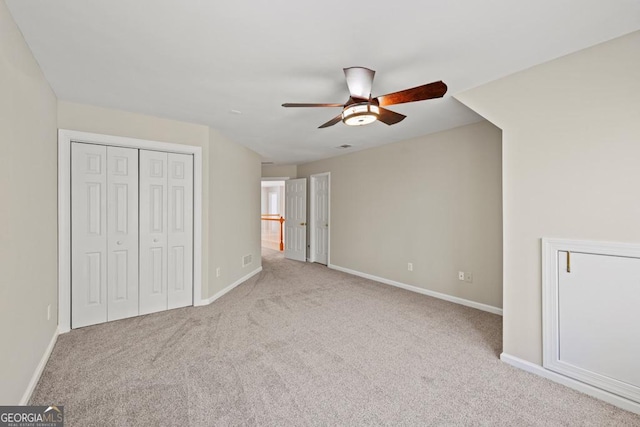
x=104 y=237
x=131 y=232
x=122 y=233
x=166 y=231
x=180 y=224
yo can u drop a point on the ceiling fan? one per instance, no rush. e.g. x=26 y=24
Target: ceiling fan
x=361 y=109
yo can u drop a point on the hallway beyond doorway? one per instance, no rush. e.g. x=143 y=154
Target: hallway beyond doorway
x=272 y=210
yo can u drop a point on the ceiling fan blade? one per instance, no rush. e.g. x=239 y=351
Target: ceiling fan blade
x=331 y=122
x=293 y=104
x=420 y=93
x=389 y=117
x=359 y=81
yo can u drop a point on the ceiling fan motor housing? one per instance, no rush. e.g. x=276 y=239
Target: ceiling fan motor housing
x=361 y=113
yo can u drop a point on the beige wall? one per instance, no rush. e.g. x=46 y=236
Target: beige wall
x=28 y=212
x=235 y=211
x=279 y=171
x=108 y=121
x=434 y=201
x=571 y=151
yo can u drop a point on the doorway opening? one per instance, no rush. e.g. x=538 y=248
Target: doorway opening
x=272 y=215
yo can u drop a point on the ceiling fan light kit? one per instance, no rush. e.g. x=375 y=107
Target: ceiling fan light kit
x=360 y=114
x=361 y=109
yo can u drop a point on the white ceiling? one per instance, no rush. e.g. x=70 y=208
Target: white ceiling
x=196 y=60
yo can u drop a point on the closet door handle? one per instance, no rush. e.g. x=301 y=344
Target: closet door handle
x=155 y=240
x=119 y=242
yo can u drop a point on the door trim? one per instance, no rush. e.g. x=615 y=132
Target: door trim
x=312 y=215
x=65 y=138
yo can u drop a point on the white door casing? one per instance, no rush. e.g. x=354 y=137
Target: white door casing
x=89 y=237
x=122 y=233
x=65 y=255
x=295 y=245
x=319 y=218
x=153 y=231
x=590 y=294
x=180 y=230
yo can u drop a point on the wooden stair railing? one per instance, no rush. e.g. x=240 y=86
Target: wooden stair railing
x=280 y=219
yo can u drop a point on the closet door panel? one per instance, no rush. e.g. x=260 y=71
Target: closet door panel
x=153 y=231
x=180 y=227
x=88 y=234
x=122 y=225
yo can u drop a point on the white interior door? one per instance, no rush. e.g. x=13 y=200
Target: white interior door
x=597 y=321
x=88 y=234
x=180 y=237
x=153 y=231
x=320 y=218
x=295 y=245
x=122 y=233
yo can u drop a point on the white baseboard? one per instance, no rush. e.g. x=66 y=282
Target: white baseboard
x=39 y=369
x=207 y=301
x=457 y=300
x=614 y=399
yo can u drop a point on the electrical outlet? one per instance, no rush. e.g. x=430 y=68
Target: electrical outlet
x=49 y=312
x=410 y=266
x=218 y=272
x=468 y=277
x=460 y=275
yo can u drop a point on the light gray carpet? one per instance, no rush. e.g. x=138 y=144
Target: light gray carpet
x=300 y=344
